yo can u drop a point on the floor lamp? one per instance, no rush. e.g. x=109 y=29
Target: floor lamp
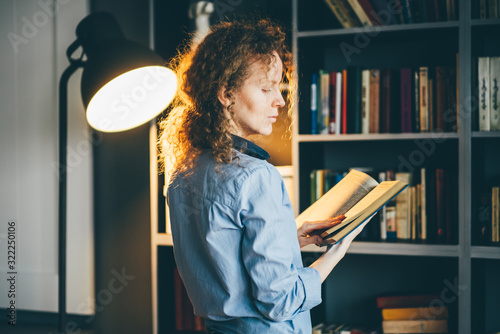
x=124 y=85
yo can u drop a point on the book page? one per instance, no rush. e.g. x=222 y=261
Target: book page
x=365 y=208
x=338 y=200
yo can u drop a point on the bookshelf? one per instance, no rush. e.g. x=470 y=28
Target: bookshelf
x=372 y=267
x=472 y=154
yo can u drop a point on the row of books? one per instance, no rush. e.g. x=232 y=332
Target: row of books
x=407 y=100
x=357 y=13
x=488 y=89
x=413 y=314
x=489 y=9
x=425 y=211
x=488 y=217
x=185 y=319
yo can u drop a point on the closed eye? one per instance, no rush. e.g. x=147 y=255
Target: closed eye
x=266 y=90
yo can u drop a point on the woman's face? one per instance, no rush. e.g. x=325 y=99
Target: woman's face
x=255 y=104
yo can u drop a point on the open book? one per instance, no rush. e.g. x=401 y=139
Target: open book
x=357 y=196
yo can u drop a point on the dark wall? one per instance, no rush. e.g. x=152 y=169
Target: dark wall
x=122 y=204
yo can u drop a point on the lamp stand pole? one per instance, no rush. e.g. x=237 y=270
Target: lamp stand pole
x=62 y=175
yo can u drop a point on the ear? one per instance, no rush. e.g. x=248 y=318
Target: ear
x=224 y=96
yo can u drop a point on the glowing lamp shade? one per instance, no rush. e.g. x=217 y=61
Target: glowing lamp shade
x=124 y=84
x=132 y=99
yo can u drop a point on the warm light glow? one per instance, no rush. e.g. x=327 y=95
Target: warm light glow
x=132 y=99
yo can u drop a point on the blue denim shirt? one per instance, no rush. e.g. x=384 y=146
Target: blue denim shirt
x=236 y=246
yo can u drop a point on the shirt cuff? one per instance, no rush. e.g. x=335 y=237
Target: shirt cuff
x=312 y=286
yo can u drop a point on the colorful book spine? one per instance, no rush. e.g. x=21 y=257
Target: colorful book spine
x=374 y=102
x=423 y=205
x=324 y=102
x=314 y=104
x=338 y=104
x=360 y=13
x=416 y=100
x=343 y=13
x=403 y=208
x=344 y=101
x=365 y=101
x=494 y=93
x=332 y=94
x=484 y=93
x=495 y=235
x=424 y=99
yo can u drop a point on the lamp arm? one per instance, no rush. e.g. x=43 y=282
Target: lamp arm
x=62 y=177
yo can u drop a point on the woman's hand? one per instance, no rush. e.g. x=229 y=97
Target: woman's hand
x=306 y=235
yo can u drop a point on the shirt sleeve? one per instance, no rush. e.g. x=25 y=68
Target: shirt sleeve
x=281 y=287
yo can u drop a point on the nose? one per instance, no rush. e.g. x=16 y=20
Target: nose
x=279 y=101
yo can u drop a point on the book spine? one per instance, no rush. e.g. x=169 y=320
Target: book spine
x=423 y=206
x=365 y=101
x=360 y=13
x=413 y=212
x=374 y=101
x=370 y=12
x=324 y=102
x=484 y=93
x=312 y=179
x=407 y=11
x=431 y=105
x=416 y=101
x=440 y=205
x=495 y=235
x=386 y=15
x=332 y=102
x=493 y=9
x=341 y=13
x=494 y=93
x=314 y=104
x=483 y=14
x=391 y=229
x=406 y=117
x=338 y=104
x=383 y=212
x=415 y=313
x=403 y=208
x=353 y=99
x=424 y=99
x=344 y=101
x=415 y=326
x=385 y=101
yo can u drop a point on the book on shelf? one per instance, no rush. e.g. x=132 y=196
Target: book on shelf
x=406 y=300
x=314 y=104
x=421 y=312
x=362 y=101
x=359 y=13
x=413 y=313
x=489 y=9
x=495 y=236
x=343 y=12
x=425 y=211
x=357 y=196
x=415 y=326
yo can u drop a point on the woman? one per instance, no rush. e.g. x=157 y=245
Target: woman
x=236 y=244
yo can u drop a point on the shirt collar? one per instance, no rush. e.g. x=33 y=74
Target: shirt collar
x=249 y=148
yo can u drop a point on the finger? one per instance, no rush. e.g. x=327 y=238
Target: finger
x=309 y=226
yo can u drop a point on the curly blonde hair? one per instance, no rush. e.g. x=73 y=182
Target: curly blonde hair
x=222 y=59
